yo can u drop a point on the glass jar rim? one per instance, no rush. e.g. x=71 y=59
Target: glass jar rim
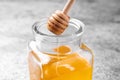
x=77 y=22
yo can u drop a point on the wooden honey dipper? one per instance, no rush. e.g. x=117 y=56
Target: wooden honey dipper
x=59 y=20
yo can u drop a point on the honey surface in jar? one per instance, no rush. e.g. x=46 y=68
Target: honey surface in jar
x=67 y=67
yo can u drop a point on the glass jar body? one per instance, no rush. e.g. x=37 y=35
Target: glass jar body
x=63 y=58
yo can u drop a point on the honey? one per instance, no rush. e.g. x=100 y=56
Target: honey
x=66 y=67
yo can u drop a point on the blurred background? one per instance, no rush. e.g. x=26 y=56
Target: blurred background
x=102 y=34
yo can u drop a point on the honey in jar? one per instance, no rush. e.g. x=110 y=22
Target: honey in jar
x=62 y=57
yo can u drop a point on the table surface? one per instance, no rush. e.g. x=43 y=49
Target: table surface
x=102 y=34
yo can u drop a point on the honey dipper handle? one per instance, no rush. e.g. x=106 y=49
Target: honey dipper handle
x=68 y=6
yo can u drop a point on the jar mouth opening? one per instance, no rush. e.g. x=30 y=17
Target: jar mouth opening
x=73 y=22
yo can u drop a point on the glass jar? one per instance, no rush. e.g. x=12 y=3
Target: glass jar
x=59 y=57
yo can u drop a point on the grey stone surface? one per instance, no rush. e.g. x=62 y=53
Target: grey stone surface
x=102 y=34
